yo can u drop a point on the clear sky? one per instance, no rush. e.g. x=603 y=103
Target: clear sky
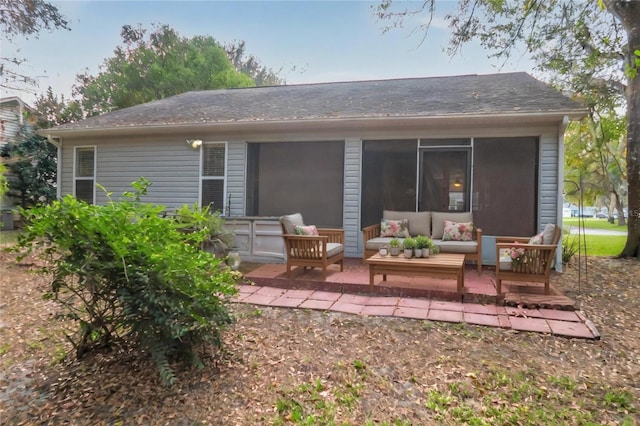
x=309 y=41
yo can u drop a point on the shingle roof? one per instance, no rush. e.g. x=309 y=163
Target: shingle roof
x=412 y=97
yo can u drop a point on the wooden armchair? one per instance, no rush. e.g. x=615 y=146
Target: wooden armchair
x=535 y=266
x=311 y=251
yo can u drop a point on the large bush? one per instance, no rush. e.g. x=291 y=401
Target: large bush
x=122 y=272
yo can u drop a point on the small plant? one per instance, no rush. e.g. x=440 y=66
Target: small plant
x=409 y=243
x=423 y=242
x=394 y=242
x=570 y=246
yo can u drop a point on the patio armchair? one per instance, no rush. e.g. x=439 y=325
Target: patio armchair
x=536 y=259
x=311 y=251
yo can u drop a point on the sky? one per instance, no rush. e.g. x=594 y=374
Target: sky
x=308 y=41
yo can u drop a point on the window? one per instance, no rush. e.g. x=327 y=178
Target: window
x=213 y=175
x=84 y=171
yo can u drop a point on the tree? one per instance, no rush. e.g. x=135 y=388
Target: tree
x=53 y=111
x=250 y=65
x=594 y=160
x=591 y=48
x=26 y=18
x=156 y=66
x=32 y=167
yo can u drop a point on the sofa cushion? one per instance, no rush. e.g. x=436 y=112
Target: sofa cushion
x=419 y=222
x=457 y=246
x=457 y=231
x=438 y=218
x=376 y=243
x=305 y=230
x=290 y=220
x=394 y=228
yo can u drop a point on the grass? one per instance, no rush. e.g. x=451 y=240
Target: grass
x=596 y=245
x=9 y=237
x=592 y=223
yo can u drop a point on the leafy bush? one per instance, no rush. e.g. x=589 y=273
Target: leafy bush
x=194 y=219
x=121 y=272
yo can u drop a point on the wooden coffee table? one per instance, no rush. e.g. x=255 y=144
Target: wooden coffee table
x=441 y=265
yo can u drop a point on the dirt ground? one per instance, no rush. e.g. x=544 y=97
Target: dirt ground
x=286 y=366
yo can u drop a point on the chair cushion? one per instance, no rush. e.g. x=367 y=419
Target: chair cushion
x=289 y=221
x=305 y=230
x=394 y=228
x=438 y=218
x=419 y=222
x=457 y=231
x=547 y=234
x=334 y=248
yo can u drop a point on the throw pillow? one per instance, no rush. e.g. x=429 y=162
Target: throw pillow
x=536 y=239
x=306 y=230
x=394 y=228
x=454 y=231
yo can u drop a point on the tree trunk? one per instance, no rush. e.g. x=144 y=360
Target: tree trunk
x=628 y=12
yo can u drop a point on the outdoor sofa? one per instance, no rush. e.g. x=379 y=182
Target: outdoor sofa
x=432 y=225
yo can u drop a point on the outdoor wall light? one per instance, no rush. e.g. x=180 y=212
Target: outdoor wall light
x=194 y=143
x=457 y=183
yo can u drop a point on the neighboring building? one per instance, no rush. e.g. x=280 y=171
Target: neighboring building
x=13 y=118
x=13 y=121
x=339 y=153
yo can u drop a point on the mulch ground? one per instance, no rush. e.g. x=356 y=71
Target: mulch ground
x=274 y=355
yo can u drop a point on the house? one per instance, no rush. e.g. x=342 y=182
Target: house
x=339 y=153
x=14 y=113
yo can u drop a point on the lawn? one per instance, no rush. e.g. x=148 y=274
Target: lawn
x=597 y=245
x=592 y=223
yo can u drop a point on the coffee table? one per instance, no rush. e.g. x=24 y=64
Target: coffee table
x=441 y=265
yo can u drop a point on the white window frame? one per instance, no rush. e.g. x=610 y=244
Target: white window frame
x=75 y=167
x=223 y=178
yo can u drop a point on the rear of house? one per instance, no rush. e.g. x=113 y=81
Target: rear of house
x=339 y=153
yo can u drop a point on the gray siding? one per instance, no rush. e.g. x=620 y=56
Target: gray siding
x=548 y=178
x=170 y=164
x=11 y=123
x=236 y=171
x=351 y=203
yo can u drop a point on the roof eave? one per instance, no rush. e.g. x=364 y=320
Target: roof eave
x=337 y=123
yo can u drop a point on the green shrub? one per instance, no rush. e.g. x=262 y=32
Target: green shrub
x=122 y=272
x=217 y=241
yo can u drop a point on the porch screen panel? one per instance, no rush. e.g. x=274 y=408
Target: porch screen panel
x=290 y=177
x=388 y=178
x=505 y=185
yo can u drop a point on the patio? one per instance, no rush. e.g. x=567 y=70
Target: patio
x=522 y=307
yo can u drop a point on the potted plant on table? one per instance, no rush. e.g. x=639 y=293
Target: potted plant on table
x=409 y=244
x=394 y=247
x=424 y=245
